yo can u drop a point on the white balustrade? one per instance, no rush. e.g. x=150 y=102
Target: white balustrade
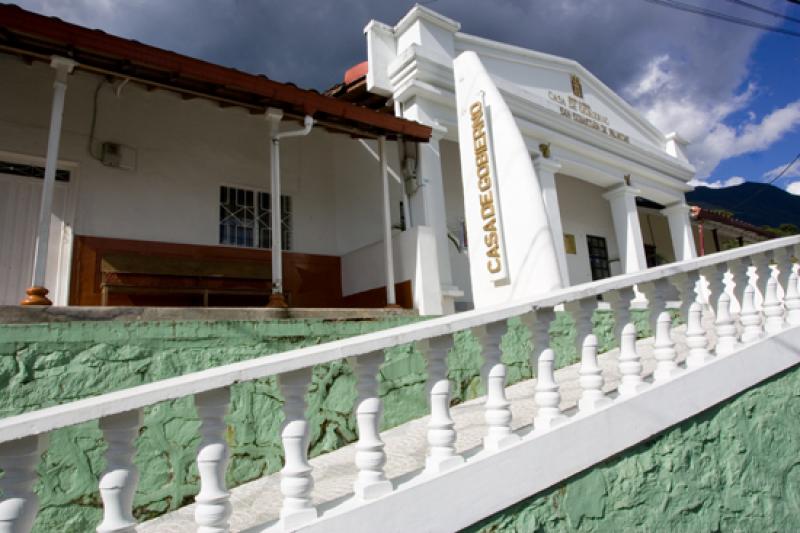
x=696 y=338
x=120 y=412
x=630 y=366
x=664 y=349
x=18 y=460
x=441 y=433
x=118 y=483
x=750 y=316
x=213 y=507
x=371 y=482
x=547 y=397
x=591 y=378
x=791 y=299
x=296 y=480
x=497 y=407
x=725 y=326
x=773 y=308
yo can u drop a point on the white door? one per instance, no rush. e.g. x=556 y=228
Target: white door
x=20 y=197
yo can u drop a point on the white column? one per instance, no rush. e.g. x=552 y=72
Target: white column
x=680 y=230
x=627 y=228
x=213 y=508
x=276 y=298
x=37 y=294
x=427 y=203
x=118 y=483
x=391 y=299
x=546 y=172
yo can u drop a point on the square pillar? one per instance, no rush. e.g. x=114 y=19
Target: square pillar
x=546 y=172
x=627 y=228
x=680 y=230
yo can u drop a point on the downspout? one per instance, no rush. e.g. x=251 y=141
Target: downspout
x=277 y=299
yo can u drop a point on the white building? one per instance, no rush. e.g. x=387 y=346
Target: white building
x=162 y=195
x=595 y=156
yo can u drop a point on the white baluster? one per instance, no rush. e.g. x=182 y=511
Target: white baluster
x=630 y=366
x=497 y=406
x=773 y=309
x=760 y=274
x=715 y=276
x=213 y=507
x=582 y=311
x=539 y=324
x=739 y=278
x=591 y=378
x=685 y=283
x=664 y=349
x=620 y=303
x=696 y=338
x=118 y=483
x=296 y=480
x=19 y=504
x=441 y=435
x=750 y=317
x=371 y=482
x=792 y=299
x=547 y=397
x=725 y=326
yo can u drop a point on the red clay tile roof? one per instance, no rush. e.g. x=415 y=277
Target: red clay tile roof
x=36 y=36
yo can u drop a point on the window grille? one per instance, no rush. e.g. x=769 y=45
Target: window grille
x=598 y=257
x=31 y=171
x=245 y=218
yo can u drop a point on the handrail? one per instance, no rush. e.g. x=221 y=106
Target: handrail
x=51 y=418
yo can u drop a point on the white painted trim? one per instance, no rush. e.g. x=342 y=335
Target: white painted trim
x=48 y=419
x=490 y=482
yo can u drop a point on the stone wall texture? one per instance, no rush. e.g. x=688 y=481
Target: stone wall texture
x=48 y=364
x=735 y=467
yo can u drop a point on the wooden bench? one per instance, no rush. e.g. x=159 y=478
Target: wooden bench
x=149 y=274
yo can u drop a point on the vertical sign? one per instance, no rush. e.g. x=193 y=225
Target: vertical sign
x=492 y=241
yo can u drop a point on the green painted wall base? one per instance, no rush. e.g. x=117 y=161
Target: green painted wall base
x=735 y=467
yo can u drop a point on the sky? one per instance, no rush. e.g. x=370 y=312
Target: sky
x=731 y=90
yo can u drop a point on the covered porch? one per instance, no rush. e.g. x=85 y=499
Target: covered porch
x=138 y=177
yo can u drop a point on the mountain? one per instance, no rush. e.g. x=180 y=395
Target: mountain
x=760 y=204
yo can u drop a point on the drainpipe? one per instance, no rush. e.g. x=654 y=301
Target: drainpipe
x=391 y=299
x=276 y=299
x=37 y=293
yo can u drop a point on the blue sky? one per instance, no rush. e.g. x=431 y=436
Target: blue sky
x=732 y=91
x=775 y=69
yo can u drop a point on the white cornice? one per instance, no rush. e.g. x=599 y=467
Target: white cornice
x=524 y=56
x=422 y=12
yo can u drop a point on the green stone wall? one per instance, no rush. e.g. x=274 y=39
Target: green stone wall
x=735 y=467
x=48 y=364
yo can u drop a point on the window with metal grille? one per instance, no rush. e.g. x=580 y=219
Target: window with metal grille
x=245 y=218
x=31 y=171
x=598 y=257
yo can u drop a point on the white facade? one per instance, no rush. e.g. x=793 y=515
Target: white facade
x=183 y=152
x=593 y=153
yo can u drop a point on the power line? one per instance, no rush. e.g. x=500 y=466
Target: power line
x=773 y=180
x=763 y=10
x=674 y=4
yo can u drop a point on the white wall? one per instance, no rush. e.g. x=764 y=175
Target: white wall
x=584 y=212
x=185 y=150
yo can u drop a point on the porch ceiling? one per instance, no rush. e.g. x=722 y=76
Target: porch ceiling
x=35 y=36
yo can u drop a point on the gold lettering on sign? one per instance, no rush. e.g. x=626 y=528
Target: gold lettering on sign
x=491 y=238
x=582 y=113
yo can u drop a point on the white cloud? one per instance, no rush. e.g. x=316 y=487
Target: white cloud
x=719 y=184
x=793 y=187
x=792 y=172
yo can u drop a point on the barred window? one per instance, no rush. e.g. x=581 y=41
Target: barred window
x=598 y=257
x=31 y=171
x=245 y=218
